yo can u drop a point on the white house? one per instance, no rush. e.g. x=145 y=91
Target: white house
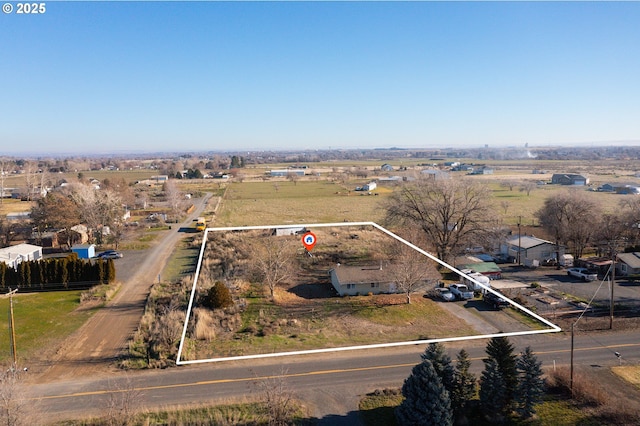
x=361 y=280
x=14 y=255
x=532 y=250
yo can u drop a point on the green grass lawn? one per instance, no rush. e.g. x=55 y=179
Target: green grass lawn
x=40 y=319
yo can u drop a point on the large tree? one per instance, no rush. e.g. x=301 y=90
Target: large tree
x=441 y=362
x=500 y=351
x=569 y=216
x=272 y=260
x=464 y=385
x=56 y=211
x=410 y=270
x=531 y=385
x=492 y=392
x=451 y=213
x=426 y=401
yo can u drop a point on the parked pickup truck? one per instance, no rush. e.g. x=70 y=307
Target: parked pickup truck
x=461 y=291
x=494 y=300
x=582 y=273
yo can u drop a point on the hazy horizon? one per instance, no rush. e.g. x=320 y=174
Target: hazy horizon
x=125 y=77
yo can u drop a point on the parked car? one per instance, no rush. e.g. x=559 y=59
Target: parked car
x=583 y=273
x=461 y=291
x=110 y=254
x=443 y=293
x=494 y=300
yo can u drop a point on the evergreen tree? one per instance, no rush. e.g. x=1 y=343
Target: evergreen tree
x=464 y=384
x=219 y=296
x=426 y=401
x=500 y=350
x=111 y=271
x=531 y=386
x=441 y=362
x=492 y=391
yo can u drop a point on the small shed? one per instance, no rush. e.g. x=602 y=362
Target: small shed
x=361 y=280
x=84 y=251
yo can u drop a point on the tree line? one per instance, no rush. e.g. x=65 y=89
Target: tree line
x=439 y=393
x=57 y=273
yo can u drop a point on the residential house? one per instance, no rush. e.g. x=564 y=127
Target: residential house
x=569 y=179
x=361 y=280
x=628 y=263
x=14 y=255
x=533 y=251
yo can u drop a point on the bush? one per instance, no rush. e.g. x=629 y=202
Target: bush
x=219 y=296
x=585 y=391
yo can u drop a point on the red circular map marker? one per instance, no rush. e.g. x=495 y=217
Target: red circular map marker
x=309 y=240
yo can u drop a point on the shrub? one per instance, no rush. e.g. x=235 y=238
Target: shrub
x=219 y=296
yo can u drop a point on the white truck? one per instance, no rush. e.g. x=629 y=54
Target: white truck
x=472 y=285
x=461 y=291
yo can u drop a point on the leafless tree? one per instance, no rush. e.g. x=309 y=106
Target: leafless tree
x=13 y=404
x=123 y=402
x=272 y=260
x=410 y=270
x=3 y=172
x=293 y=177
x=30 y=170
x=451 y=213
x=569 y=216
x=527 y=187
x=277 y=398
x=98 y=208
x=505 y=206
x=175 y=198
x=508 y=184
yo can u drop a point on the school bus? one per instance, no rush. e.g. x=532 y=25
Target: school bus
x=201 y=224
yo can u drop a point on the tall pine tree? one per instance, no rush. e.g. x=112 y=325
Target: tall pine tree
x=464 y=385
x=492 y=391
x=500 y=350
x=531 y=386
x=441 y=362
x=426 y=401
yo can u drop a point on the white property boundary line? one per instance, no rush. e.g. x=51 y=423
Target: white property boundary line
x=553 y=328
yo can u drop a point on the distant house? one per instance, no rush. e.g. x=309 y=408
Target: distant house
x=628 y=263
x=286 y=172
x=569 y=179
x=533 y=251
x=434 y=174
x=370 y=186
x=360 y=280
x=84 y=251
x=482 y=171
x=620 y=188
x=14 y=255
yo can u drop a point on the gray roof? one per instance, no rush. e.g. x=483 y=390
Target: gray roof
x=360 y=274
x=631 y=259
x=527 y=241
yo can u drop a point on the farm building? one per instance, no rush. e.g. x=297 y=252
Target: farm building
x=488 y=269
x=533 y=251
x=294 y=230
x=84 y=251
x=286 y=172
x=14 y=255
x=569 y=179
x=386 y=167
x=360 y=280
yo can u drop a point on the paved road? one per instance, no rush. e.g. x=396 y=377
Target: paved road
x=104 y=337
x=331 y=384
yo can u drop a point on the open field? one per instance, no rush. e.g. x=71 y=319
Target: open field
x=261 y=203
x=41 y=319
x=629 y=373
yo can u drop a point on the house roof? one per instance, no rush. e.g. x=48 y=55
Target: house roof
x=9 y=253
x=527 y=241
x=360 y=274
x=482 y=267
x=631 y=259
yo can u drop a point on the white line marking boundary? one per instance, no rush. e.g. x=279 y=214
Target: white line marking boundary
x=553 y=328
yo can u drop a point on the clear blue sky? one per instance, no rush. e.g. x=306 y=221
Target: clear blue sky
x=188 y=76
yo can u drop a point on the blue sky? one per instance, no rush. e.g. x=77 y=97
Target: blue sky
x=101 y=77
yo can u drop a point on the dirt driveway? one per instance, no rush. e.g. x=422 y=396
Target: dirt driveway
x=103 y=339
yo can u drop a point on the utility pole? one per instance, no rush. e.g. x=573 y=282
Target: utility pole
x=613 y=284
x=519 y=241
x=571 y=368
x=12 y=329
